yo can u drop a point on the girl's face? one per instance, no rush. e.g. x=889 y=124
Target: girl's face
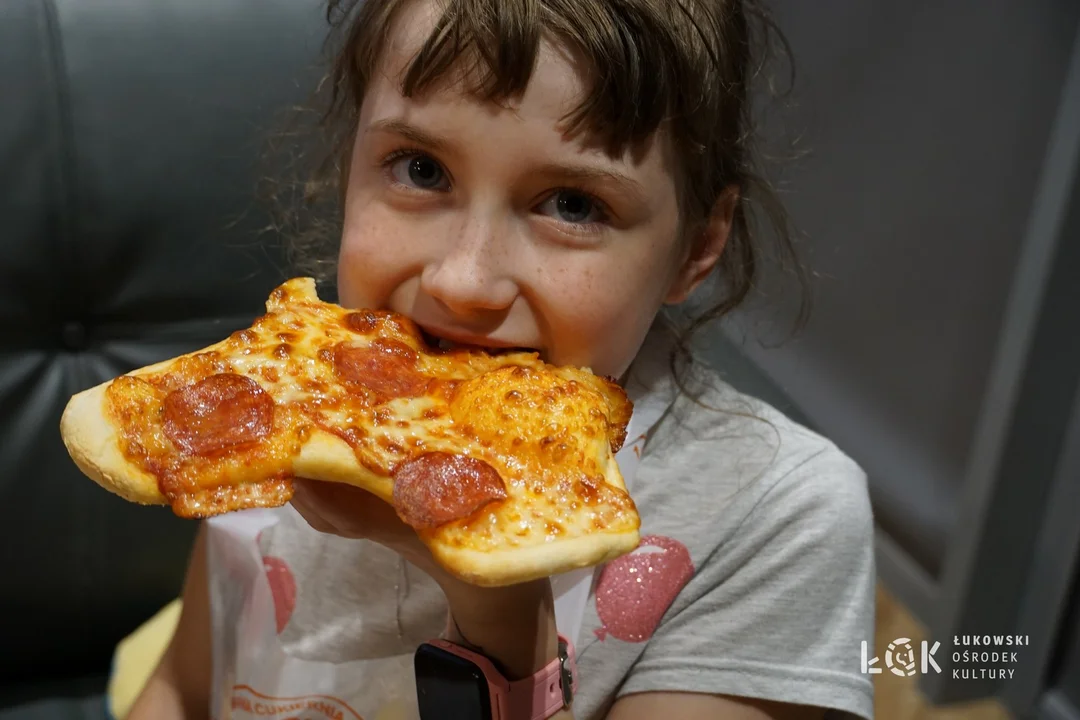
x=488 y=226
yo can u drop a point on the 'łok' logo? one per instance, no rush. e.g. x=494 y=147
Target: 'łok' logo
x=900 y=658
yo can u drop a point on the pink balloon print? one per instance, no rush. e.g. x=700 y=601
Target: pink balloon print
x=282 y=588
x=635 y=590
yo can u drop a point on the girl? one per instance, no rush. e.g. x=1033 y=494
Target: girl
x=550 y=174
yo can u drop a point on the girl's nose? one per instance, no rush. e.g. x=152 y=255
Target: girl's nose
x=475 y=273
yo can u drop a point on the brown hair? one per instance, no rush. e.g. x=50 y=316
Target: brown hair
x=685 y=64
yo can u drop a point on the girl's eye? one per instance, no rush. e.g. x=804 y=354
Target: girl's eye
x=419 y=171
x=572 y=207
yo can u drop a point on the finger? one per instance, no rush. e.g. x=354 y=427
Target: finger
x=308 y=501
x=351 y=512
x=348 y=505
x=339 y=495
x=355 y=513
x=314 y=520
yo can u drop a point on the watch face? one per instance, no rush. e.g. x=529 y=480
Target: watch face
x=449 y=687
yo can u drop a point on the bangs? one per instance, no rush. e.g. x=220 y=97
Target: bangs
x=641 y=66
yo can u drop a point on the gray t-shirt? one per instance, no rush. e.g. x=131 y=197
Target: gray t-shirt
x=755 y=576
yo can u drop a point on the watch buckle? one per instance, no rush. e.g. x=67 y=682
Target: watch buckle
x=566 y=677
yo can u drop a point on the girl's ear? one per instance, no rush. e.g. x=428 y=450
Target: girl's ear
x=705 y=248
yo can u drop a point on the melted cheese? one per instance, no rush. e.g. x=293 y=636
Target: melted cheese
x=548 y=432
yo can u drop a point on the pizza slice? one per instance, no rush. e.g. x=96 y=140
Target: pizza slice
x=503 y=464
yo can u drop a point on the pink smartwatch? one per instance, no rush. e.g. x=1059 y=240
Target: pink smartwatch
x=455 y=683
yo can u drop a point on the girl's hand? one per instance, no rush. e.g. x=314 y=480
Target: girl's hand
x=514 y=626
x=350 y=512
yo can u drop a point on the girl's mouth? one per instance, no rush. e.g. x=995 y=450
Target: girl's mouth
x=444 y=344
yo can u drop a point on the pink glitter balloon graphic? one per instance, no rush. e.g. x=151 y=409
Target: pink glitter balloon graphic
x=635 y=590
x=282 y=587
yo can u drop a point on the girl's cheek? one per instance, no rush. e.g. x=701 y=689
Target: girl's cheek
x=362 y=268
x=604 y=302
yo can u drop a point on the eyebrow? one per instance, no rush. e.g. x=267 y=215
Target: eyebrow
x=409 y=132
x=580 y=173
x=587 y=173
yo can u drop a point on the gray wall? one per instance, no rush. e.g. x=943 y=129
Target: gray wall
x=926 y=124
x=940 y=206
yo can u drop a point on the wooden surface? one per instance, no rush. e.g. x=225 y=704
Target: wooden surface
x=898 y=698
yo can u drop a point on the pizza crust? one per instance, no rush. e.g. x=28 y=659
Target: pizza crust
x=495 y=568
x=328 y=458
x=93 y=443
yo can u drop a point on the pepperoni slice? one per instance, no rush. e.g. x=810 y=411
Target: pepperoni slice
x=218 y=413
x=363 y=321
x=437 y=488
x=386 y=366
x=368 y=321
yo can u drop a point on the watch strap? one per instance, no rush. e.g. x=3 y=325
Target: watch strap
x=546 y=692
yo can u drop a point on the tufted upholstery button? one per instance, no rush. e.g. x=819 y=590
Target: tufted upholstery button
x=73 y=335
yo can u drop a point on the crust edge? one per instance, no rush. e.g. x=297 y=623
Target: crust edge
x=93 y=444
x=522 y=564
